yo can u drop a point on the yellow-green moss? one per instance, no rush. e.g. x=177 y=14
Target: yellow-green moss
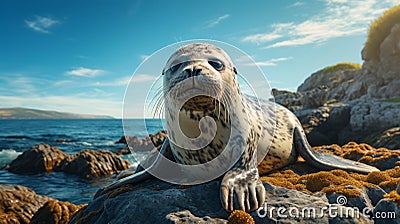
x=339 y=67
x=338 y=181
x=393 y=196
x=380 y=29
x=240 y=217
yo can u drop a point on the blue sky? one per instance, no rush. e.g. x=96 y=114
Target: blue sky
x=78 y=56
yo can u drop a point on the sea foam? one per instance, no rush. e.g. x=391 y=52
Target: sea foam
x=7 y=156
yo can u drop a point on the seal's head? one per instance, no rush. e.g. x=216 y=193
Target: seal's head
x=200 y=66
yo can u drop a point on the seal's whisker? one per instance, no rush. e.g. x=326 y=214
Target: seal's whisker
x=156 y=101
x=159 y=105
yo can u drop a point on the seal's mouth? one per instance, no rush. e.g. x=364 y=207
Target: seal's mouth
x=200 y=103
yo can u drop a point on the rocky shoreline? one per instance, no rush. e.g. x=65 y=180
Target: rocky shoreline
x=351 y=112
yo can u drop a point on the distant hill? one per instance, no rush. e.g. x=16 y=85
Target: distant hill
x=26 y=113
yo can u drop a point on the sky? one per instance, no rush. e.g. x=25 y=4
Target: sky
x=79 y=56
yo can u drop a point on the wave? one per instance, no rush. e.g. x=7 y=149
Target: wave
x=86 y=143
x=7 y=156
x=18 y=137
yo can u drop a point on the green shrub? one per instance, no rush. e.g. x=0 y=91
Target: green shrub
x=339 y=67
x=380 y=29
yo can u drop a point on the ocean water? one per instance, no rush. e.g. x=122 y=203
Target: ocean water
x=16 y=136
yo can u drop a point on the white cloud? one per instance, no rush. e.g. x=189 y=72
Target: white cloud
x=127 y=79
x=270 y=62
x=339 y=18
x=260 y=38
x=218 y=20
x=20 y=84
x=41 y=24
x=297 y=4
x=86 y=72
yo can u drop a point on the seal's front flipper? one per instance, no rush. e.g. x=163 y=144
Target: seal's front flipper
x=242 y=189
x=141 y=174
x=325 y=161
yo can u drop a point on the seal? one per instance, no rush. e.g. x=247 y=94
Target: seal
x=268 y=135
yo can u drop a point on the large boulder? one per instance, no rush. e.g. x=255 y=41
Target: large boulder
x=86 y=163
x=18 y=204
x=55 y=212
x=373 y=115
x=359 y=120
x=297 y=187
x=38 y=159
x=93 y=163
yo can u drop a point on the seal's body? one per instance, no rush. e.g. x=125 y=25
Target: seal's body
x=268 y=135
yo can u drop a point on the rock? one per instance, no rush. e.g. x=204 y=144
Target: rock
x=61 y=140
x=18 y=203
x=340 y=84
x=158 y=198
x=86 y=163
x=388 y=139
x=93 y=163
x=188 y=218
x=375 y=194
x=38 y=159
x=54 y=212
x=398 y=189
x=124 y=151
x=367 y=116
x=315 y=98
x=323 y=125
x=387 y=211
x=291 y=100
x=186 y=204
x=144 y=144
x=298 y=185
x=358 y=120
x=378 y=77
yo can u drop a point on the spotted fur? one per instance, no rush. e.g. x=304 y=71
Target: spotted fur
x=275 y=137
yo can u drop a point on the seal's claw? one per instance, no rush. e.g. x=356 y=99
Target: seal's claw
x=243 y=186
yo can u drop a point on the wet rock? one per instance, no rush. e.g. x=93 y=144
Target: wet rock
x=54 y=212
x=154 y=141
x=38 y=159
x=86 y=163
x=93 y=163
x=18 y=204
x=388 y=139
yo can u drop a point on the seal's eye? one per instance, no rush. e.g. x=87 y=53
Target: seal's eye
x=216 y=64
x=175 y=67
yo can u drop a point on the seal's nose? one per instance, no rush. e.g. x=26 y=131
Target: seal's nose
x=193 y=71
